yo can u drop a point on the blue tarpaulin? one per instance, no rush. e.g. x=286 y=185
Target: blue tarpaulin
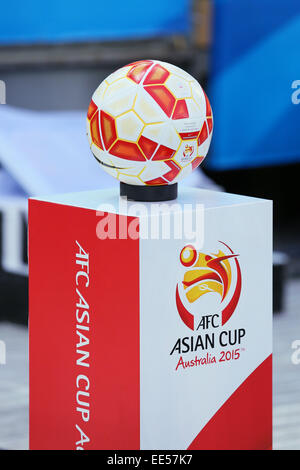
x=255 y=61
x=33 y=21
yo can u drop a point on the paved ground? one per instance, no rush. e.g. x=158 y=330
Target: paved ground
x=14 y=380
x=14 y=388
x=286 y=374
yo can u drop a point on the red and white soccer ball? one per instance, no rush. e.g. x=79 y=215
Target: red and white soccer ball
x=149 y=123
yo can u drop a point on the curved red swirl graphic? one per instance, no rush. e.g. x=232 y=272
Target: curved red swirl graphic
x=230 y=308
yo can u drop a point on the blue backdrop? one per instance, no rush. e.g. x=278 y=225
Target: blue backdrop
x=255 y=60
x=72 y=20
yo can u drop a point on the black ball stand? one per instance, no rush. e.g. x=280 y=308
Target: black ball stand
x=149 y=193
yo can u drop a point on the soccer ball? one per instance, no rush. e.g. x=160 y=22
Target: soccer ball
x=149 y=123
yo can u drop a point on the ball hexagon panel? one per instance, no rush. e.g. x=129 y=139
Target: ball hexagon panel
x=161 y=173
x=179 y=87
x=129 y=179
x=118 y=88
x=147 y=108
x=129 y=126
x=118 y=163
x=98 y=96
x=194 y=111
x=119 y=103
x=199 y=97
x=108 y=130
x=149 y=123
x=163 y=134
x=95 y=130
x=157 y=75
x=127 y=150
x=204 y=147
x=187 y=170
x=120 y=73
x=135 y=170
x=93 y=108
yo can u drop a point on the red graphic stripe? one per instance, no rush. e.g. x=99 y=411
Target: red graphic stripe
x=244 y=422
x=204 y=277
x=185 y=315
x=230 y=308
x=215 y=263
x=112 y=331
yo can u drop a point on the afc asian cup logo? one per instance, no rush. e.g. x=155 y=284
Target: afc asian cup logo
x=218 y=273
x=188 y=152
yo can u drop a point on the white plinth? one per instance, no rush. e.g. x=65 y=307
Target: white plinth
x=132 y=347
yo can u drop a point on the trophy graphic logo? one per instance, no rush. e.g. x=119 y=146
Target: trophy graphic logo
x=209 y=273
x=188 y=152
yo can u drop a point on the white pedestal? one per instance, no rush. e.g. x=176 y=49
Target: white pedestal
x=138 y=343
